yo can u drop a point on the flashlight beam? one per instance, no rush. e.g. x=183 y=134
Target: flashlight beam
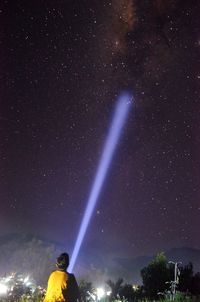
x=119 y=118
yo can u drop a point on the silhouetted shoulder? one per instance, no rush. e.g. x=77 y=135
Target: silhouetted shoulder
x=72 y=291
x=72 y=277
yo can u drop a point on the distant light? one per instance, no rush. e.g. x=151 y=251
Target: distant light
x=3 y=289
x=93 y=296
x=7 y=279
x=26 y=279
x=28 y=283
x=135 y=287
x=100 y=293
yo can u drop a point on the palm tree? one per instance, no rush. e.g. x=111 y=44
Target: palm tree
x=127 y=292
x=115 y=288
x=86 y=290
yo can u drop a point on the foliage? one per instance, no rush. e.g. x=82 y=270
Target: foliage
x=196 y=284
x=127 y=292
x=180 y=297
x=189 y=282
x=86 y=289
x=115 y=288
x=186 y=278
x=155 y=276
x=124 y=292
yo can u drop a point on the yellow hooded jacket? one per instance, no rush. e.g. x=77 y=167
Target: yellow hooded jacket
x=57 y=284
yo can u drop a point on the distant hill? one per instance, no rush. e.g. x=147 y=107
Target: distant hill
x=36 y=256
x=133 y=266
x=185 y=255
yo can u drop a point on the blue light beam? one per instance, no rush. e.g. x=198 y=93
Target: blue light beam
x=121 y=112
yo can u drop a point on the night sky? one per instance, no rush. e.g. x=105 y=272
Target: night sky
x=62 y=66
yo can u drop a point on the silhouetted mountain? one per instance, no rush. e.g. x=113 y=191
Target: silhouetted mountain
x=36 y=256
x=185 y=255
x=133 y=266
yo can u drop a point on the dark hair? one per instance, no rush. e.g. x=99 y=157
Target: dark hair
x=62 y=261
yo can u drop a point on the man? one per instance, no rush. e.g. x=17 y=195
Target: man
x=62 y=286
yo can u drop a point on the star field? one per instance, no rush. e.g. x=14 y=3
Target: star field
x=62 y=66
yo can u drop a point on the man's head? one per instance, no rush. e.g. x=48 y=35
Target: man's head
x=62 y=261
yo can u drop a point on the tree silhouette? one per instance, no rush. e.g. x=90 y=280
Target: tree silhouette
x=86 y=289
x=155 y=276
x=196 y=284
x=186 y=278
x=127 y=292
x=115 y=288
